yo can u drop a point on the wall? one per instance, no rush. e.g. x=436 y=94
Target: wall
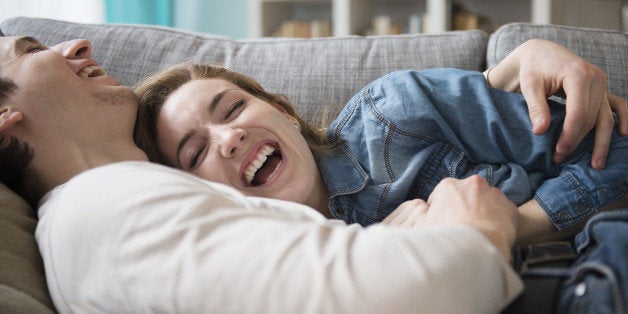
x=588 y=13
x=222 y=17
x=85 y=11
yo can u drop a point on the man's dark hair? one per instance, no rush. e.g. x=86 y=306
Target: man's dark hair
x=15 y=156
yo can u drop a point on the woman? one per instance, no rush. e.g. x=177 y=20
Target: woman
x=394 y=141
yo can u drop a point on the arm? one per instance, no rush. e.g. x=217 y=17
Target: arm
x=536 y=227
x=540 y=68
x=203 y=247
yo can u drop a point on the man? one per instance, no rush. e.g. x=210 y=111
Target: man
x=118 y=234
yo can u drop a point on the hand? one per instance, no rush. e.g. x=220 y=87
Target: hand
x=539 y=68
x=408 y=215
x=474 y=203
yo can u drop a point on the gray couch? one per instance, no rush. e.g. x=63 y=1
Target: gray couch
x=319 y=75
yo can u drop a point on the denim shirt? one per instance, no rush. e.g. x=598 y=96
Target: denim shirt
x=406 y=131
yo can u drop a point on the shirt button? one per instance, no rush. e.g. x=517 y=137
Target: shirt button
x=580 y=289
x=563 y=214
x=340 y=211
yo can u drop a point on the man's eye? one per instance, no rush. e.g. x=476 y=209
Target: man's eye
x=36 y=48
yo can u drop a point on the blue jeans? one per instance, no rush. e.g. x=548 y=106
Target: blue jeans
x=598 y=281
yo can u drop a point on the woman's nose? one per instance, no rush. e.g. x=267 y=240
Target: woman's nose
x=74 y=49
x=231 y=140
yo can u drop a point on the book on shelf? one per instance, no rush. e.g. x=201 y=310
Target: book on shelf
x=463 y=19
x=385 y=25
x=304 y=29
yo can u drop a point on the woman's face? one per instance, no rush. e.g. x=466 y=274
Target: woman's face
x=212 y=128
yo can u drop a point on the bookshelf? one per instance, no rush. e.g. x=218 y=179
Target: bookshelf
x=345 y=17
x=314 y=18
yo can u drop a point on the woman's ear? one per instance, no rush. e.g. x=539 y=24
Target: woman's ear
x=9 y=119
x=283 y=111
x=291 y=118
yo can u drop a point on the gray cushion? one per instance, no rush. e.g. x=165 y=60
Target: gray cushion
x=605 y=48
x=312 y=72
x=22 y=282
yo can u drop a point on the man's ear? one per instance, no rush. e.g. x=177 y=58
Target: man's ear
x=9 y=118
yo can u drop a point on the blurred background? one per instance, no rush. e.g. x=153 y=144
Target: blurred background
x=316 y=18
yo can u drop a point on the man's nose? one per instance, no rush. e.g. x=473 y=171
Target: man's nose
x=75 y=49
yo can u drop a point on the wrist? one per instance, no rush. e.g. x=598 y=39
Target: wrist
x=486 y=76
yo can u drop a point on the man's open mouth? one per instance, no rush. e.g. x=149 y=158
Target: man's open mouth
x=92 y=71
x=264 y=167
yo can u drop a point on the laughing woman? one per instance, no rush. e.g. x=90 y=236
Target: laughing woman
x=393 y=142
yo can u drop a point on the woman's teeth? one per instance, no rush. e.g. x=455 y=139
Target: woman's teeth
x=92 y=71
x=256 y=164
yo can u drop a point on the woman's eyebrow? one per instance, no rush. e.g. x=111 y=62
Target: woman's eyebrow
x=214 y=103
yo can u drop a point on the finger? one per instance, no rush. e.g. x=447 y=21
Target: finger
x=534 y=93
x=581 y=113
x=620 y=108
x=603 y=132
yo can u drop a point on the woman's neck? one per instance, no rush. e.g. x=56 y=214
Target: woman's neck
x=320 y=198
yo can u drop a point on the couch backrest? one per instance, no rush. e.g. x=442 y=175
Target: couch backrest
x=311 y=72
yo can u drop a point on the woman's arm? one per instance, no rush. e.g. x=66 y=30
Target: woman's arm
x=540 y=68
x=536 y=227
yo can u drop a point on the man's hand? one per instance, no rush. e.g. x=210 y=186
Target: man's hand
x=473 y=202
x=409 y=214
x=539 y=69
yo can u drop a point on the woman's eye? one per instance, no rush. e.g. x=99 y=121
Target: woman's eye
x=196 y=156
x=234 y=108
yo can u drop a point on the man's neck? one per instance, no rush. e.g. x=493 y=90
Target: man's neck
x=61 y=167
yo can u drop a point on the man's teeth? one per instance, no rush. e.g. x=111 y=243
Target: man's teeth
x=266 y=151
x=92 y=71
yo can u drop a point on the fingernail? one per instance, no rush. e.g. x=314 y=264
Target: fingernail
x=599 y=163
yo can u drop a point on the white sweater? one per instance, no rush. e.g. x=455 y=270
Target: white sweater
x=135 y=237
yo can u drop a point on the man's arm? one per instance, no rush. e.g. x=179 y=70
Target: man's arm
x=190 y=247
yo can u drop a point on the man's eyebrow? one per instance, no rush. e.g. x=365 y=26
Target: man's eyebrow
x=186 y=138
x=22 y=40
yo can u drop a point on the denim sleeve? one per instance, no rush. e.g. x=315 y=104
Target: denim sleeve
x=493 y=128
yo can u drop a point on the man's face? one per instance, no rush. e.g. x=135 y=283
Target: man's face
x=61 y=90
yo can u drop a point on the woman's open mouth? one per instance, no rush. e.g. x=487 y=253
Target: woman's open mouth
x=264 y=167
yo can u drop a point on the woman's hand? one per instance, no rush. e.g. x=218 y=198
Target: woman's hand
x=539 y=69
